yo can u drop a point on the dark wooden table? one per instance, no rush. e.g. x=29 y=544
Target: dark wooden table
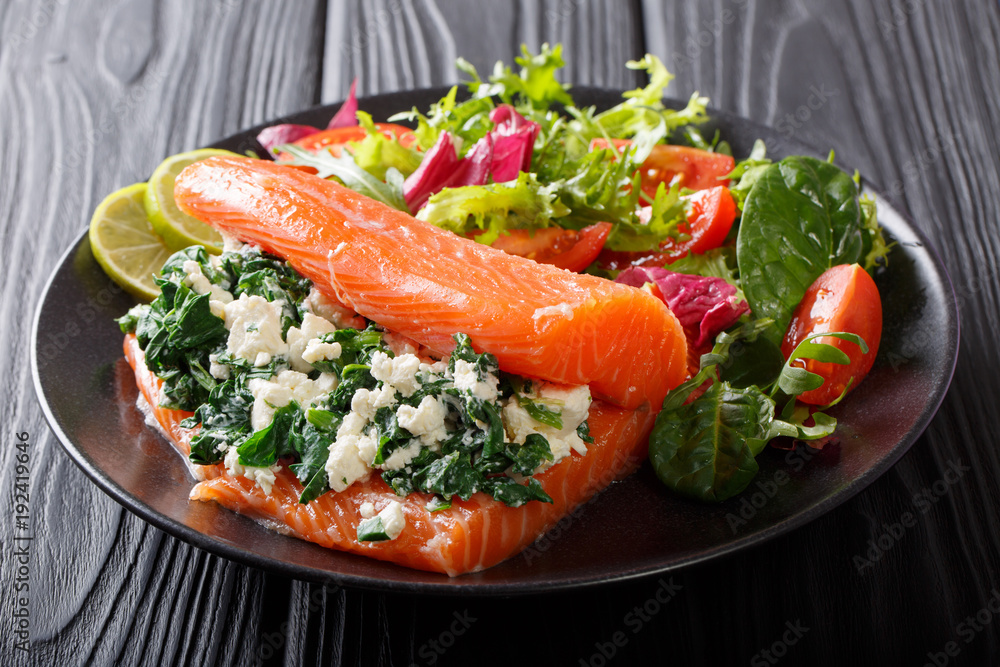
x=93 y=94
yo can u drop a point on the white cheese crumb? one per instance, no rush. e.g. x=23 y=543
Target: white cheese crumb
x=427 y=421
x=573 y=404
x=279 y=391
x=199 y=282
x=467 y=379
x=342 y=318
x=299 y=339
x=231 y=243
x=217 y=370
x=316 y=350
x=254 y=325
x=346 y=463
x=400 y=372
x=262 y=477
x=393 y=519
x=367 y=510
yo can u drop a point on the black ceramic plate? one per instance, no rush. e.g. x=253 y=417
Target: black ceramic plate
x=632 y=529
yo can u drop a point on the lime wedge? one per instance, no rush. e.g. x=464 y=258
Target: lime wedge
x=125 y=245
x=178 y=229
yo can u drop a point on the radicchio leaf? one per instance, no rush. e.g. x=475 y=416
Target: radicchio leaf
x=346 y=116
x=441 y=168
x=710 y=303
x=287 y=133
x=277 y=135
x=513 y=142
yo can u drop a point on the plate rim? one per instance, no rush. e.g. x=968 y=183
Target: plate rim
x=453 y=586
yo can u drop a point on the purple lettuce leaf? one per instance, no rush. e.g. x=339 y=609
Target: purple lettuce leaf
x=347 y=115
x=442 y=168
x=710 y=303
x=513 y=142
x=277 y=135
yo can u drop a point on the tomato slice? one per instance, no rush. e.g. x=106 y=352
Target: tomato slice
x=337 y=138
x=698 y=169
x=566 y=248
x=843 y=298
x=710 y=218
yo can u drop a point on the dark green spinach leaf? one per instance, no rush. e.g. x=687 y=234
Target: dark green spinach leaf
x=801 y=217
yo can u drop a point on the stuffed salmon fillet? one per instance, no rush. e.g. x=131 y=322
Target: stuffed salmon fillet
x=538 y=321
x=469 y=536
x=428 y=283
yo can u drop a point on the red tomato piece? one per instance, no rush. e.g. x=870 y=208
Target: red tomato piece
x=844 y=298
x=698 y=169
x=710 y=217
x=338 y=138
x=566 y=248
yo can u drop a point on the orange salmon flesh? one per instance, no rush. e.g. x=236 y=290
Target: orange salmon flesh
x=427 y=283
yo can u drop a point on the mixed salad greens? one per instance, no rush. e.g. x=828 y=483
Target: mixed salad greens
x=634 y=193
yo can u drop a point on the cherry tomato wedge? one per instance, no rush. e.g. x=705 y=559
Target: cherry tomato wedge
x=698 y=169
x=843 y=298
x=710 y=217
x=566 y=248
x=337 y=138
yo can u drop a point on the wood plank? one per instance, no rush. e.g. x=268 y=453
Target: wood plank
x=93 y=95
x=400 y=44
x=912 y=112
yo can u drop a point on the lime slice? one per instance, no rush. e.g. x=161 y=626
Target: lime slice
x=125 y=245
x=178 y=229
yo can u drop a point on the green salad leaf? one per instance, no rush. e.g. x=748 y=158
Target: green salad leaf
x=801 y=217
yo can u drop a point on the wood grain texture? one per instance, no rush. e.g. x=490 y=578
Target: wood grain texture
x=93 y=94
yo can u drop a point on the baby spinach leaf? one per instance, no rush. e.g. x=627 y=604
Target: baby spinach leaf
x=801 y=217
x=706 y=449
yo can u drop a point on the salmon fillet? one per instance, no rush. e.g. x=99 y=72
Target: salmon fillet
x=467 y=537
x=428 y=283
x=169 y=420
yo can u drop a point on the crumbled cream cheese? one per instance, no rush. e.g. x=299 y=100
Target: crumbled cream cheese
x=254 y=325
x=342 y=317
x=300 y=338
x=217 y=370
x=198 y=281
x=350 y=453
x=466 y=379
x=367 y=510
x=279 y=391
x=427 y=421
x=262 y=477
x=398 y=372
x=573 y=404
x=393 y=519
